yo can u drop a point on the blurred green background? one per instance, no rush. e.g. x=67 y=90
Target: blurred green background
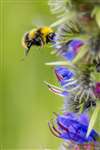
x=26 y=105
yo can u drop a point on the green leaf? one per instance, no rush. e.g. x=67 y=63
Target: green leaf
x=81 y=53
x=58 y=22
x=98 y=17
x=97 y=76
x=64 y=19
x=93 y=120
x=96 y=13
x=58 y=63
x=53 y=86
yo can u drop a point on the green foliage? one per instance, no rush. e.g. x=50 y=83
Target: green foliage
x=93 y=119
x=96 y=14
x=81 y=54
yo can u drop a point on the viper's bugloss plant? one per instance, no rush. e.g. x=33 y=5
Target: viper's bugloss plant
x=77 y=42
x=76 y=39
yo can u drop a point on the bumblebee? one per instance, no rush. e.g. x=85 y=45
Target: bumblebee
x=37 y=37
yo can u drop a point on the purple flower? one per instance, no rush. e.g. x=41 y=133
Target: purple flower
x=73 y=127
x=63 y=74
x=71 y=49
x=97 y=90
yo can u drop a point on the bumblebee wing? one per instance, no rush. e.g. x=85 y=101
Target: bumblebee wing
x=37 y=23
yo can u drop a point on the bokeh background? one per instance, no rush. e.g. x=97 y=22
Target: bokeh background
x=26 y=105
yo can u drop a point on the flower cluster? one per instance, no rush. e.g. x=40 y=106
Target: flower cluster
x=77 y=42
x=70 y=126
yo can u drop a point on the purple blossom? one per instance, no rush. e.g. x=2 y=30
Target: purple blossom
x=73 y=127
x=70 y=49
x=63 y=74
x=97 y=90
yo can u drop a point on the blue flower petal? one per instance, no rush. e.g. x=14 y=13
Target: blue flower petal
x=70 y=49
x=69 y=55
x=71 y=128
x=63 y=74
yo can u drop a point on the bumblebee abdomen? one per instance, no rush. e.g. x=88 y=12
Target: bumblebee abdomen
x=25 y=40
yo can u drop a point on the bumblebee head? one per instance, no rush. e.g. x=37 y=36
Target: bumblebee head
x=50 y=37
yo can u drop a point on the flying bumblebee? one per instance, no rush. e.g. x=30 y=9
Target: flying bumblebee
x=37 y=37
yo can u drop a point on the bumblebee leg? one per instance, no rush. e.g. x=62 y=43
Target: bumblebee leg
x=27 y=51
x=42 y=44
